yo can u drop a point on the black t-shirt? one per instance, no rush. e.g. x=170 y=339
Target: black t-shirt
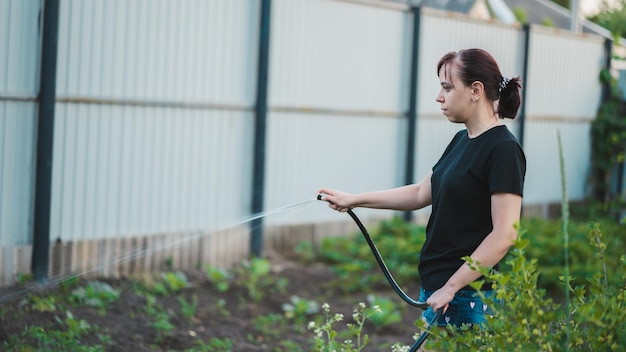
x=463 y=180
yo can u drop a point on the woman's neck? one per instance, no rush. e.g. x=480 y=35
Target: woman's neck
x=480 y=125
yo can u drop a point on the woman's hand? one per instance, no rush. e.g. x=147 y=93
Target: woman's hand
x=337 y=200
x=441 y=299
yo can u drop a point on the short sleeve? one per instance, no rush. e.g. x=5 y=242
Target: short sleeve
x=507 y=169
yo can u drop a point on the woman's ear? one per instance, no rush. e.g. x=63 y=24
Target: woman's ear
x=478 y=89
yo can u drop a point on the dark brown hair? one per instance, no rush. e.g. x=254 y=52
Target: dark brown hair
x=478 y=65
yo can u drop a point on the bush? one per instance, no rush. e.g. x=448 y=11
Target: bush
x=528 y=320
x=546 y=246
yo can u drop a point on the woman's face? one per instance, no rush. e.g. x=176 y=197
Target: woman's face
x=454 y=97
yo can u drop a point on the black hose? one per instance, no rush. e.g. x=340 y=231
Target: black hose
x=421 y=305
x=383 y=266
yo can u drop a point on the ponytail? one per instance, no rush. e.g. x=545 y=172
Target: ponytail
x=510 y=98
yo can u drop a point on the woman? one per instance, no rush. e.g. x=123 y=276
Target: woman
x=475 y=188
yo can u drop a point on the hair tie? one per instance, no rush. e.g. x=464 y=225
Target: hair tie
x=503 y=84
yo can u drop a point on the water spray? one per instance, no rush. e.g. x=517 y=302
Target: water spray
x=135 y=252
x=421 y=305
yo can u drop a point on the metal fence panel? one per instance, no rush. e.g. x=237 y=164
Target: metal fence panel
x=339 y=55
x=556 y=74
x=136 y=170
x=19 y=58
x=17 y=130
x=159 y=50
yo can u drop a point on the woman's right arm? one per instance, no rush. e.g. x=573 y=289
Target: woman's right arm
x=405 y=198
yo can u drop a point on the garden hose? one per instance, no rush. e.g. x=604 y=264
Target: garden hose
x=421 y=305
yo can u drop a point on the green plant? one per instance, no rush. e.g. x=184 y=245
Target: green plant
x=220 y=308
x=68 y=283
x=547 y=22
x=43 y=304
x=608 y=140
x=547 y=248
x=306 y=250
x=520 y=15
x=388 y=314
x=325 y=339
x=356 y=268
x=299 y=308
x=188 y=309
x=175 y=281
x=219 y=345
x=219 y=277
x=22 y=278
x=254 y=275
x=96 y=294
x=67 y=338
x=162 y=323
x=271 y=325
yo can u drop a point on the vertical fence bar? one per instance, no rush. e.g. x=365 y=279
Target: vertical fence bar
x=412 y=113
x=522 y=112
x=45 y=134
x=258 y=178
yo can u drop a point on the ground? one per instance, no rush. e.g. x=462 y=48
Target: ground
x=219 y=319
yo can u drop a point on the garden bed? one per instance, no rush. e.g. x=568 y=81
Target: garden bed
x=190 y=312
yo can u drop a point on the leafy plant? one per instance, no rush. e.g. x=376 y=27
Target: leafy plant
x=43 y=303
x=219 y=277
x=299 y=308
x=270 y=325
x=254 y=275
x=388 y=314
x=96 y=294
x=188 y=309
x=175 y=281
x=67 y=338
x=608 y=140
x=352 y=260
x=306 y=250
x=325 y=339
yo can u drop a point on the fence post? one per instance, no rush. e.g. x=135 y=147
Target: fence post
x=258 y=178
x=412 y=113
x=45 y=134
x=522 y=113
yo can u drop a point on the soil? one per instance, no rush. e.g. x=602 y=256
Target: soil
x=219 y=315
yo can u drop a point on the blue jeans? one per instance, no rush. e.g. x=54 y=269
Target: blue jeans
x=465 y=308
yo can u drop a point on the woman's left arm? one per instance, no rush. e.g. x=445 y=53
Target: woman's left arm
x=505 y=212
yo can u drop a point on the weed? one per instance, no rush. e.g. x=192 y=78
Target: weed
x=188 y=309
x=55 y=340
x=220 y=308
x=95 y=294
x=254 y=275
x=23 y=278
x=219 y=277
x=300 y=308
x=174 y=281
x=326 y=336
x=161 y=323
x=43 y=304
x=219 y=345
x=270 y=325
